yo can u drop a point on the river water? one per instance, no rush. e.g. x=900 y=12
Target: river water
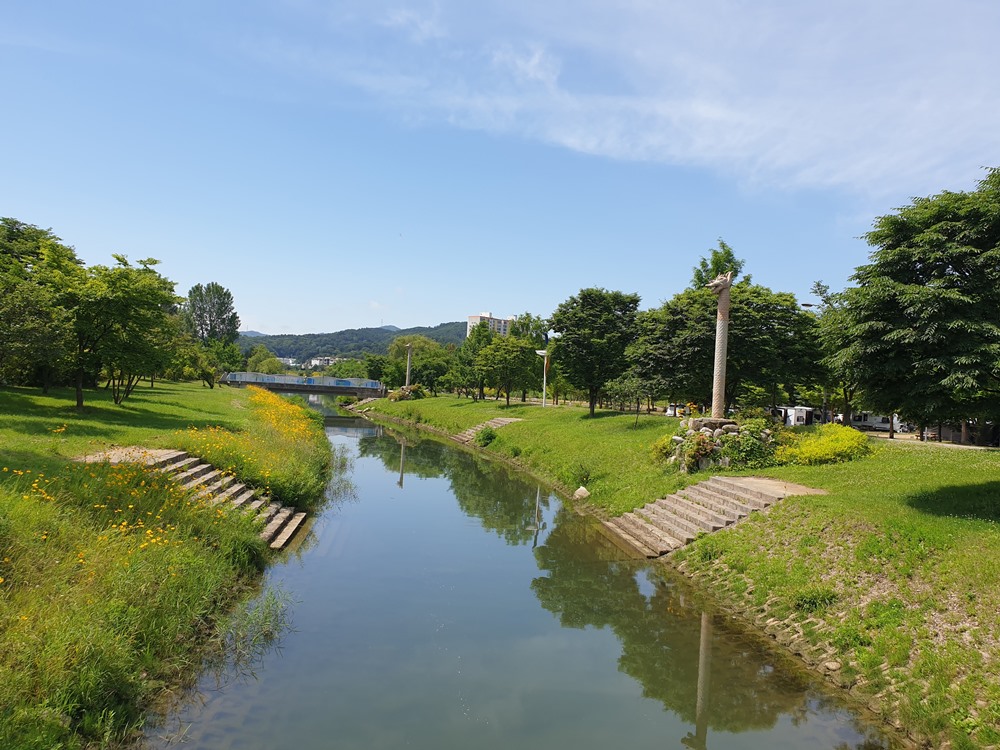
x=439 y=601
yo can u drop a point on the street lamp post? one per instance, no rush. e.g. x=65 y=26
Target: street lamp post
x=544 y=353
x=409 y=357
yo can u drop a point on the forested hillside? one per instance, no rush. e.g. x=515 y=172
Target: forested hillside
x=353 y=342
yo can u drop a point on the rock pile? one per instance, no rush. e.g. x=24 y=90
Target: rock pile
x=710 y=451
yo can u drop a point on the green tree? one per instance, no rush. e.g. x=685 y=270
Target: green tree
x=34 y=332
x=431 y=368
x=348 y=368
x=720 y=260
x=117 y=311
x=25 y=247
x=595 y=327
x=34 y=325
x=506 y=363
x=924 y=318
x=375 y=365
x=463 y=374
x=258 y=354
x=210 y=314
x=535 y=330
x=216 y=359
x=418 y=343
x=772 y=342
x=834 y=337
x=271 y=366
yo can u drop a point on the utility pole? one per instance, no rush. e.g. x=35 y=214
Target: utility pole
x=544 y=353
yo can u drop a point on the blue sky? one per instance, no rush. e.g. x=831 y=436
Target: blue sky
x=347 y=164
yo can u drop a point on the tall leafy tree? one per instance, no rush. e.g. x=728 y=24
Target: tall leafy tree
x=210 y=314
x=506 y=363
x=118 y=312
x=34 y=325
x=535 y=330
x=431 y=367
x=464 y=374
x=594 y=327
x=34 y=332
x=835 y=337
x=772 y=342
x=719 y=261
x=924 y=318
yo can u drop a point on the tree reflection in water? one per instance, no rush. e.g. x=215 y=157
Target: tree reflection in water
x=499 y=498
x=690 y=661
x=669 y=645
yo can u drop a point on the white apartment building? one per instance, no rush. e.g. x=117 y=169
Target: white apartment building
x=497 y=325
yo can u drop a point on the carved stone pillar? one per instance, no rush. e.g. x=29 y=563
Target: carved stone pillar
x=720 y=287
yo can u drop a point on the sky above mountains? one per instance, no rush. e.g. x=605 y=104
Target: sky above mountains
x=348 y=164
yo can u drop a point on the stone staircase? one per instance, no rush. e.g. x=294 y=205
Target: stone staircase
x=469 y=435
x=278 y=523
x=670 y=523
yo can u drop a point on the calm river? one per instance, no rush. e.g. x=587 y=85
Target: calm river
x=443 y=602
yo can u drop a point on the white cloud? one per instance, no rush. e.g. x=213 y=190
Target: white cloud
x=421 y=27
x=871 y=97
x=530 y=65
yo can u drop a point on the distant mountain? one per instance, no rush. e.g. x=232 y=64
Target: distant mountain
x=354 y=342
x=252 y=334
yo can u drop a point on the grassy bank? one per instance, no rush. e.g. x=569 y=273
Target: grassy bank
x=889 y=584
x=112 y=580
x=609 y=454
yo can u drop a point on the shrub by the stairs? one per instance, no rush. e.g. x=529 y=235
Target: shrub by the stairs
x=824 y=444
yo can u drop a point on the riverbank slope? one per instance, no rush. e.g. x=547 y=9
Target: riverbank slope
x=113 y=581
x=889 y=584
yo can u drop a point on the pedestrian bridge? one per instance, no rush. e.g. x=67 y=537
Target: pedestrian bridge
x=294 y=384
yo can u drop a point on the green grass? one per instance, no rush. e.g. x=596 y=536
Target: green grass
x=609 y=454
x=44 y=432
x=895 y=572
x=900 y=566
x=113 y=581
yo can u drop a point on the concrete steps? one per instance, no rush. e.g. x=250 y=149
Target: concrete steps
x=467 y=436
x=278 y=523
x=669 y=523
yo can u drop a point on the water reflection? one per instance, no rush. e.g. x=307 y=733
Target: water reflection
x=485 y=490
x=669 y=644
x=458 y=605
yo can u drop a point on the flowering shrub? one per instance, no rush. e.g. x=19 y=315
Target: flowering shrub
x=284 y=449
x=828 y=443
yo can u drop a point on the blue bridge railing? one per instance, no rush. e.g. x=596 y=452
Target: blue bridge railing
x=322 y=381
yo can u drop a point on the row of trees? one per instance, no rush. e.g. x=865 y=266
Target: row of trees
x=62 y=322
x=918 y=334
x=604 y=348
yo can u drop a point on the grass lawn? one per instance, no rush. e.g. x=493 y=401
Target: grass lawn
x=43 y=432
x=896 y=572
x=892 y=579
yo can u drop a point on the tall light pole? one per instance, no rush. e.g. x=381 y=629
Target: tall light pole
x=409 y=357
x=544 y=353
